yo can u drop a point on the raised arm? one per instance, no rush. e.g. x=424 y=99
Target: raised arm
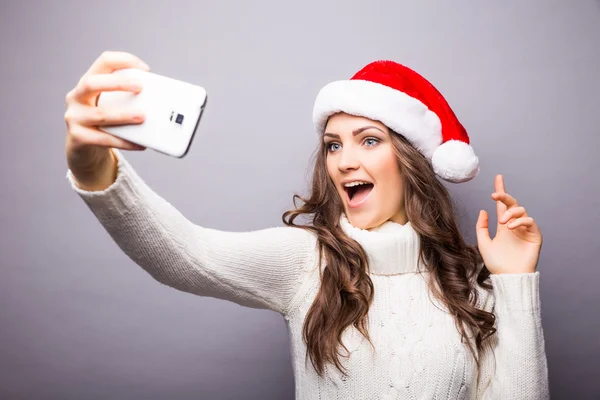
x=258 y=269
x=514 y=364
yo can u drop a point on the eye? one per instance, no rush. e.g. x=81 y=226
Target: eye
x=373 y=139
x=328 y=146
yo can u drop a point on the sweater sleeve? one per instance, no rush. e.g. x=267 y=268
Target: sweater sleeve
x=257 y=269
x=513 y=361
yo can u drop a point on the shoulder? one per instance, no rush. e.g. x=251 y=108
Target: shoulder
x=289 y=244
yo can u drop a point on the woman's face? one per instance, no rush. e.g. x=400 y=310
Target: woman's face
x=360 y=149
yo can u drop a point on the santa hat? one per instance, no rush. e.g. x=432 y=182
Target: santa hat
x=409 y=105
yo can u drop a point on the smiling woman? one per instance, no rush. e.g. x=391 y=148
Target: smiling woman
x=382 y=237
x=379 y=210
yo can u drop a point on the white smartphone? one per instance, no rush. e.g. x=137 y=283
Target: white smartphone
x=172 y=108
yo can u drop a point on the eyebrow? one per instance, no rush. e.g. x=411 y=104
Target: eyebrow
x=354 y=132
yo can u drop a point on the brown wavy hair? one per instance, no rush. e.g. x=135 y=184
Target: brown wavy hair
x=346 y=290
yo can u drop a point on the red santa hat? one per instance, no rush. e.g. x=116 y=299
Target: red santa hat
x=409 y=105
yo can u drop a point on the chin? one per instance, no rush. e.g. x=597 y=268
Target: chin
x=364 y=220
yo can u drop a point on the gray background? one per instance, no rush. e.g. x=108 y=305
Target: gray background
x=79 y=320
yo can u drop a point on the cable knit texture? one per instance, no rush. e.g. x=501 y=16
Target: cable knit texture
x=418 y=351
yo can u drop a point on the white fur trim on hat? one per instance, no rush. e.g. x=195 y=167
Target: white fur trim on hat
x=455 y=161
x=400 y=112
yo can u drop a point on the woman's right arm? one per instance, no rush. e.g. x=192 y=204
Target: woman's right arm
x=259 y=269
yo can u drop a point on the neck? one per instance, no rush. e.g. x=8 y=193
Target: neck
x=391 y=248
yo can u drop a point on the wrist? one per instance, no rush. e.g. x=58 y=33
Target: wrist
x=101 y=176
x=514 y=272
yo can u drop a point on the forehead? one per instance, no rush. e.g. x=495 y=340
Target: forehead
x=343 y=123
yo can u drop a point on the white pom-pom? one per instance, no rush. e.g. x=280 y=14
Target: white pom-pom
x=455 y=161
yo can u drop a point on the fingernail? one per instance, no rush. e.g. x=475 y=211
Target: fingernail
x=144 y=66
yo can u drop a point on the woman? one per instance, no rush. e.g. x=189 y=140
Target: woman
x=379 y=292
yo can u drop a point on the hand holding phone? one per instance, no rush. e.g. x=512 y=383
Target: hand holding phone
x=87 y=148
x=172 y=109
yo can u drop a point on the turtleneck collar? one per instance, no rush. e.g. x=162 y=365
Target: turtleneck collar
x=391 y=248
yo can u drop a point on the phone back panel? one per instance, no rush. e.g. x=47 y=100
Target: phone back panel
x=173 y=109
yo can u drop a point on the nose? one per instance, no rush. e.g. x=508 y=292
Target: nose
x=348 y=159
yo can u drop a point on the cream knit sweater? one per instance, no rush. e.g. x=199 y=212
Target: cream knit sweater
x=419 y=354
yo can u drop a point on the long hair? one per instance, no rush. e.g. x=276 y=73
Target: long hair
x=346 y=290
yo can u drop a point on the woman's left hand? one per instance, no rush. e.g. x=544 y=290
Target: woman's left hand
x=516 y=247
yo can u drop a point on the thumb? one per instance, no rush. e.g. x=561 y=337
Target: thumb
x=483 y=234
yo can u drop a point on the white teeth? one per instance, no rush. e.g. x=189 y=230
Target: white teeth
x=356 y=183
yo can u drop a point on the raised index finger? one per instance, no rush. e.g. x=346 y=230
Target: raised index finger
x=499 y=188
x=110 y=61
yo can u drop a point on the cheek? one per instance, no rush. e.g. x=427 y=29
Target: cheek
x=389 y=175
x=331 y=170
x=328 y=165
x=388 y=167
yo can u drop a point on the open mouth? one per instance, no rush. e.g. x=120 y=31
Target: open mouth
x=357 y=194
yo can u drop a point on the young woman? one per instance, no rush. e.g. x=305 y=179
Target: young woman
x=382 y=297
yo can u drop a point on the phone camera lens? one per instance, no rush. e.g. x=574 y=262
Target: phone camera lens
x=179 y=119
